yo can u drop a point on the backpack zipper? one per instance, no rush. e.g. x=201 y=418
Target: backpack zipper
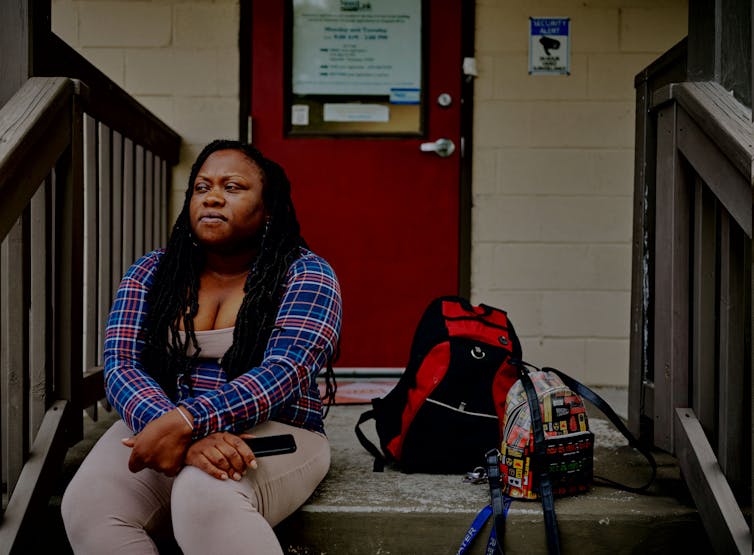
x=512 y=416
x=461 y=408
x=472 y=319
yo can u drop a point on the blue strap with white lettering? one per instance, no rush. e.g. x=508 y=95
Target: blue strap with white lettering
x=478 y=524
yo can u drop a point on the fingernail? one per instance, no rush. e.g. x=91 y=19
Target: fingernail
x=223 y=476
x=236 y=476
x=253 y=464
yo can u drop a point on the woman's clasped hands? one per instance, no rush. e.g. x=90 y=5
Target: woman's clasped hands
x=165 y=446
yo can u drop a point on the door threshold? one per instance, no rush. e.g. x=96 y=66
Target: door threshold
x=367 y=372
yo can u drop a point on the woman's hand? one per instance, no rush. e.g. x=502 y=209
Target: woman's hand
x=161 y=445
x=222 y=455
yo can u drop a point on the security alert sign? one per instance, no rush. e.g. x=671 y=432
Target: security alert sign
x=549 y=45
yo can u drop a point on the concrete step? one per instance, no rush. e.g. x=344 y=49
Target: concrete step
x=357 y=511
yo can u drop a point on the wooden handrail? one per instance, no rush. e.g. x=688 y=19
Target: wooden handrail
x=726 y=121
x=109 y=103
x=34 y=131
x=691 y=289
x=40 y=320
x=81 y=178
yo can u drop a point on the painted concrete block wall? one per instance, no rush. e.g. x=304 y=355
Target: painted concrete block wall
x=179 y=59
x=553 y=176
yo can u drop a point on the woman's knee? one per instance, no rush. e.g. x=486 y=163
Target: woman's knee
x=199 y=504
x=89 y=516
x=102 y=509
x=74 y=500
x=199 y=496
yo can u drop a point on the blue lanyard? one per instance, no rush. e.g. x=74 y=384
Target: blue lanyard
x=481 y=518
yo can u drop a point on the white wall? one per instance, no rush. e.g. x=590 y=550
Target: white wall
x=553 y=176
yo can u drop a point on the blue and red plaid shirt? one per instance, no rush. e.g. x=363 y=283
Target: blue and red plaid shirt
x=283 y=387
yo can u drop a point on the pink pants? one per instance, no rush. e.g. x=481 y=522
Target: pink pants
x=108 y=509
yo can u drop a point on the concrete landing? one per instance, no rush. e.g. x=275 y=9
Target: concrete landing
x=356 y=511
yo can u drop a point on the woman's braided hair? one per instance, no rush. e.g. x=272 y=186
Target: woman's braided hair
x=173 y=296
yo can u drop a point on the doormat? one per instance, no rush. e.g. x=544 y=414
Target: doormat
x=359 y=392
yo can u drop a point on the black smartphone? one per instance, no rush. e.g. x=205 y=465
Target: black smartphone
x=271 y=445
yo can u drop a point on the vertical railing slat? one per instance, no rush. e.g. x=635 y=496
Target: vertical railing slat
x=139 y=193
x=90 y=245
x=704 y=320
x=12 y=349
x=104 y=238
x=69 y=269
x=116 y=250
x=157 y=202
x=39 y=303
x=732 y=442
x=129 y=186
x=164 y=188
x=149 y=201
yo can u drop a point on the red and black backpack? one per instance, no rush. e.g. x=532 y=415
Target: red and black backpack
x=441 y=415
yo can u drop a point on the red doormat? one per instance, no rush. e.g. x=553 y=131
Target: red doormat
x=360 y=392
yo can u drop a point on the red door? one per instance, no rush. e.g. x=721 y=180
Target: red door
x=383 y=212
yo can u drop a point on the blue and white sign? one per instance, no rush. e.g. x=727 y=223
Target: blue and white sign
x=550 y=45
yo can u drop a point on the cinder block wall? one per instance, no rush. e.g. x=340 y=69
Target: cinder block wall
x=179 y=59
x=553 y=176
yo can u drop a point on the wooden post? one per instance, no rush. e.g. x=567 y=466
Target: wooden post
x=719 y=40
x=639 y=261
x=671 y=308
x=26 y=24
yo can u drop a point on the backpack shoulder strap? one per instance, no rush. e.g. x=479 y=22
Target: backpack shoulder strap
x=540 y=468
x=379 y=458
x=498 y=502
x=602 y=405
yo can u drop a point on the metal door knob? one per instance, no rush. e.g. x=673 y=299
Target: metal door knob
x=442 y=147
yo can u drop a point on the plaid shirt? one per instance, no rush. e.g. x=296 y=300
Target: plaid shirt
x=282 y=387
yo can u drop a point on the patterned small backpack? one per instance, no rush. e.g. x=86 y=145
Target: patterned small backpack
x=568 y=443
x=547 y=450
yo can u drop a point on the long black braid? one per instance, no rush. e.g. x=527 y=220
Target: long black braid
x=173 y=296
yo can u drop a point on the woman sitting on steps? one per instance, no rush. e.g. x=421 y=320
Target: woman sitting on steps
x=219 y=336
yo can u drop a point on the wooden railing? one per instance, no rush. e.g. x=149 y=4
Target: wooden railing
x=691 y=373
x=84 y=177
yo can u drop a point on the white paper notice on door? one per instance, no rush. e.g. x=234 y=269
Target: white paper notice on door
x=299 y=114
x=348 y=47
x=355 y=112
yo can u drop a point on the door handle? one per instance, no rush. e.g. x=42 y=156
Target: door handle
x=442 y=147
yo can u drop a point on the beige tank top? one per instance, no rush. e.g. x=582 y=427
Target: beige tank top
x=213 y=343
